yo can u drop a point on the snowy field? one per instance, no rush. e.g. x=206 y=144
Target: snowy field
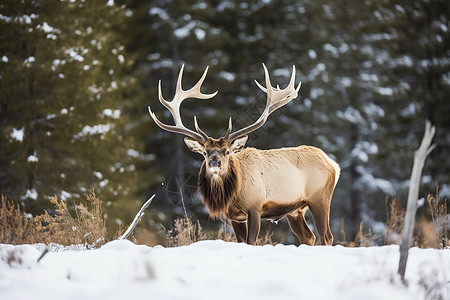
x=221 y=270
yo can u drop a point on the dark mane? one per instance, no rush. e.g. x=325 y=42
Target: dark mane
x=218 y=194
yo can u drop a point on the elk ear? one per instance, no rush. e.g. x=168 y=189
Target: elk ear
x=194 y=145
x=238 y=144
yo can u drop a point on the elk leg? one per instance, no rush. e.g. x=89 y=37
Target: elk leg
x=320 y=211
x=298 y=225
x=253 y=224
x=240 y=230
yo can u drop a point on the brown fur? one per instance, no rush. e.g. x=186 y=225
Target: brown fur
x=218 y=193
x=270 y=184
x=275 y=211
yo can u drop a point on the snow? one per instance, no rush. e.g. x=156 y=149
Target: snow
x=157 y=11
x=91 y=130
x=17 y=134
x=331 y=48
x=368 y=180
x=31 y=194
x=51 y=31
x=312 y=54
x=230 y=77
x=98 y=174
x=363 y=149
x=199 y=34
x=65 y=195
x=220 y=270
x=132 y=153
x=409 y=110
x=75 y=54
x=25 y=19
x=374 y=110
x=114 y=85
x=225 y=5
x=5 y=18
x=386 y=91
x=33 y=157
x=352 y=115
x=184 y=31
x=5 y=58
x=29 y=60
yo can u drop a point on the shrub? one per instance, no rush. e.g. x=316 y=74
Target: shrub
x=185 y=232
x=86 y=228
x=361 y=239
x=430 y=229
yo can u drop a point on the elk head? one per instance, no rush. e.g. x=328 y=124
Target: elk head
x=217 y=152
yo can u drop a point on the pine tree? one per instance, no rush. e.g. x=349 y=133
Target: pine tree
x=61 y=106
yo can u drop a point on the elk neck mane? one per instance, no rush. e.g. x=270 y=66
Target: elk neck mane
x=217 y=194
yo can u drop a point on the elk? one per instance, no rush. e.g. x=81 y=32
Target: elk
x=246 y=185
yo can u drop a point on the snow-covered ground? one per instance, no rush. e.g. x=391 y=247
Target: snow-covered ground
x=221 y=270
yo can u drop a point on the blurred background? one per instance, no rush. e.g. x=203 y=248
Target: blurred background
x=76 y=78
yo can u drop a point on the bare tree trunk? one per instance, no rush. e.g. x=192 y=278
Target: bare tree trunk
x=413 y=195
x=355 y=195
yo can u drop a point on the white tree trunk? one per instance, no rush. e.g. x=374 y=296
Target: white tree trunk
x=413 y=195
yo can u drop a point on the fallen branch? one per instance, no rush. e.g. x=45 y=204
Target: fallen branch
x=413 y=195
x=136 y=220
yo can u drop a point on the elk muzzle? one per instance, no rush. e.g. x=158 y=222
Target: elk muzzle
x=214 y=162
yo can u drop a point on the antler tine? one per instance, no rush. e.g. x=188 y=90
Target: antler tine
x=276 y=98
x=230 y=125
x=193 y=92
x=197 y=86
x=174 y=107
x=176 y=129
x=179 y=89
x=260 y=86
x=267 y=79
x=292 y=81
x=205 y=136
x=161 y=98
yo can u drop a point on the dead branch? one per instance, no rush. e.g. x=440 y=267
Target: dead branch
x=413 y=194
x=136 y=220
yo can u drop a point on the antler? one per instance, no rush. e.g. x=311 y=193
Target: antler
x=276 y=98
x=174 y=107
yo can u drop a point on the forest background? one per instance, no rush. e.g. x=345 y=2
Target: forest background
x=76 y=78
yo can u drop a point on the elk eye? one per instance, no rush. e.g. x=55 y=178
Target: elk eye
x=228 y=152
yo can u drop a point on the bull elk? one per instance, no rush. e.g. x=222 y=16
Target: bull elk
x=247 y=184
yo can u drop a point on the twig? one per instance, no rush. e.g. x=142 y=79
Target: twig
x=136 y=220
x=413 y=194
x=46 y=250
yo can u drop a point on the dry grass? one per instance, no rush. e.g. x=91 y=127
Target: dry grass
x=85 y=228
x=361 y=239
x=186 y=232
x=394 y=222
x=430 y=229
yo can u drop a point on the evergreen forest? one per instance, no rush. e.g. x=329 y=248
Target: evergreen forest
x=76 y=78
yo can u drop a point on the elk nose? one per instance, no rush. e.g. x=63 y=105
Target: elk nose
x=215 y=162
